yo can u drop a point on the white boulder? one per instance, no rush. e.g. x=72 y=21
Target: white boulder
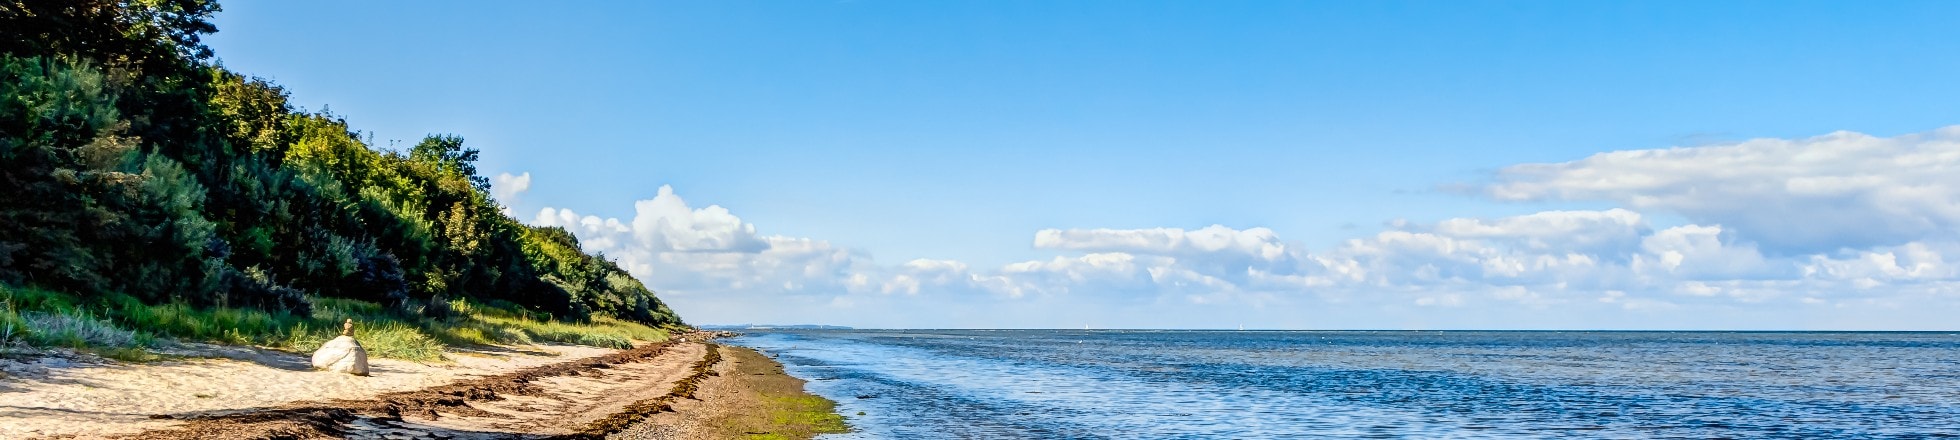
x=342 y=355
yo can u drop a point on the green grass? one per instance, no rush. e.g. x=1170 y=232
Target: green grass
x=510 y=324
x=50 y=320
x=816 y=414
x=123 y=328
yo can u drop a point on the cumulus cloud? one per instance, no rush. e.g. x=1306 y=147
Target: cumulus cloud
x=681 y=249
x=675 y=247
x=1495 y=256
x=1696 y=252
x=1535 y=259
x=506 y=187
x=1841 y=221
x=1539 y=260
x=1610 y=258
x=1909 y=263
x=665 y=223
x=1842 y=190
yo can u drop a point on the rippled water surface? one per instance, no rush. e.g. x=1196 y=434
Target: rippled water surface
x=1224 y=384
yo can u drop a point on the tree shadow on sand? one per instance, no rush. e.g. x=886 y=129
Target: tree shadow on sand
x=325 y=420
x=269 y=358
x=11 y=412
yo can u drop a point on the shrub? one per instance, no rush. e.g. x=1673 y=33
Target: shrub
x=78 y=330
x=121 y=326
x=399 y=341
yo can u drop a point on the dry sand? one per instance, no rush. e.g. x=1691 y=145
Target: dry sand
x=672 y=390
x=567 y=404
x=85 y=397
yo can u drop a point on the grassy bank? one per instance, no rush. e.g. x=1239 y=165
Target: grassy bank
x=123 y=328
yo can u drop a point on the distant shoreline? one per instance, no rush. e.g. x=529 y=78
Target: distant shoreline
x=739 y=327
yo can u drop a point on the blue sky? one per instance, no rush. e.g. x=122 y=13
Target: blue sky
x=841 y=142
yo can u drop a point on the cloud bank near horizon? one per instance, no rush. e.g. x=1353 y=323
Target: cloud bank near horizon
x=1842 y=190
x=1844 y=221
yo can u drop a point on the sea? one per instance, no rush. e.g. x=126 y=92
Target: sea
x=1142 y=384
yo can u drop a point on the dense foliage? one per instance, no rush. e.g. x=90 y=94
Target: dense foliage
x=131 y=164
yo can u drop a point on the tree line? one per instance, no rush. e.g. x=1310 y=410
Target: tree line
x=131 y=163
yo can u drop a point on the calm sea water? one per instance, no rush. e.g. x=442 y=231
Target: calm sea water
x=1362 y=384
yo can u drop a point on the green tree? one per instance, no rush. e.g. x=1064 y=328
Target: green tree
x=135 y=166
x=446 y=152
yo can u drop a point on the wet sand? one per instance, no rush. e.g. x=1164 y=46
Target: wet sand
x=751 y=398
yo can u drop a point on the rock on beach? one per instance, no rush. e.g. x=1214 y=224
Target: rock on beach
x=342 y=355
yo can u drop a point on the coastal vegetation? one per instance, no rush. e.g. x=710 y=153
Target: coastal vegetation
x=152 y=193
x=122 y=327
x=785 y=410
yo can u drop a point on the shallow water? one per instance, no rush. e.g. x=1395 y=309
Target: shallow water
x=1369 y=384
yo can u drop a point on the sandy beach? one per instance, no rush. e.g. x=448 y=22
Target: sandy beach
x=676 y=389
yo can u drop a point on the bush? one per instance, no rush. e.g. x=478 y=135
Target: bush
x=121 y=326
x=399 y=341
x=135 y=165
x=13 y=328
x=78 y=330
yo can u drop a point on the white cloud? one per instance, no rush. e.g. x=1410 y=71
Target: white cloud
x=1639 y=304
x=1217 y=252
x=1441 y=300
x=665 y=223
x=1703 y=252
x=1844 y=221
x=506 y=187
x=1540 y=260
x=1095 y=273
x=674 y=247
x=1912 y=262
x=1836 y=191
x=1256 y=243
x=712 y=259
x=1570 y=231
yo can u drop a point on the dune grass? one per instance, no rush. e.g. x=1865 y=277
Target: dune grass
x=123 y=328
x=504 y=323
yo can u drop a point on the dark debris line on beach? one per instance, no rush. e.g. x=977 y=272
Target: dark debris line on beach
x=638 y=411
